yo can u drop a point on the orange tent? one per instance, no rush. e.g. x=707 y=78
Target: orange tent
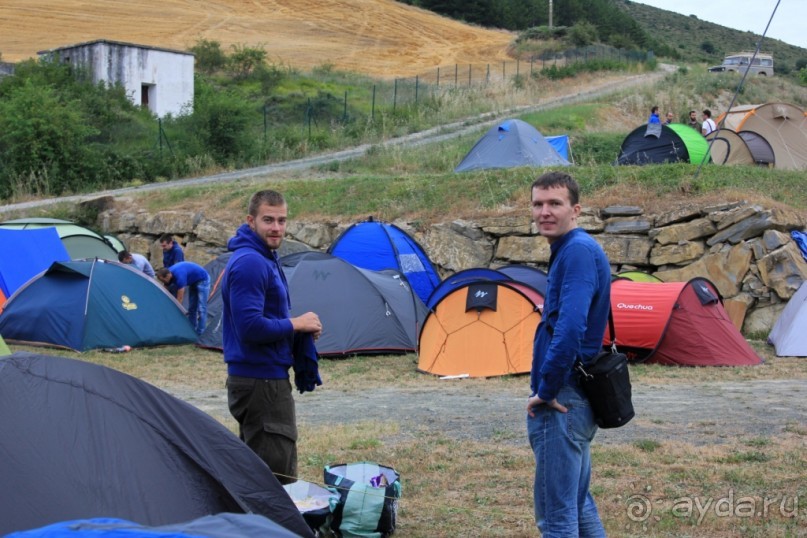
x=483 y=328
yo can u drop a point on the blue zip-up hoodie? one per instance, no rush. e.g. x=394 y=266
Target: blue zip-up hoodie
x=256 y=330
x=578 y=298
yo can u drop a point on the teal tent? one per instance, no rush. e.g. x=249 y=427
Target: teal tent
x=91 y=304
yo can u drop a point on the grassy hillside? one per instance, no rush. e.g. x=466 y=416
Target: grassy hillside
x=701 y=41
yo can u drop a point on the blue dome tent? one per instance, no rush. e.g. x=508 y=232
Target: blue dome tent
x=89 y=304
x=510 y=144
x=379 y=245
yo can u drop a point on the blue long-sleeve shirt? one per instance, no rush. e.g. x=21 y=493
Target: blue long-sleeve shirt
x=576 y=307
x=173 y=255
x=257 y=332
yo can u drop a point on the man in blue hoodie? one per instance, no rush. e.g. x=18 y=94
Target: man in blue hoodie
x=258 y=336
x=560 y=424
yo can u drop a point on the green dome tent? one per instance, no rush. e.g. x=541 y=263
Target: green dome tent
x=80 y=242
x=674 y=143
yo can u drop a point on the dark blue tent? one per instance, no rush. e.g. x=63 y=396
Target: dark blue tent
x=378 y=245
x=91 y=304
x=26 y=253
x=532 y=276
x=461 y=278
x=82 y=440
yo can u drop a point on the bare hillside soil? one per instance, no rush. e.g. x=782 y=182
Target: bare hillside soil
x=381 y=38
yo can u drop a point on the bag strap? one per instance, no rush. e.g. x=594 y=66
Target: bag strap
x=578 y=364
x=611 y=330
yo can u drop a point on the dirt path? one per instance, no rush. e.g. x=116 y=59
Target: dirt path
x=708 y=413
x=382 y=38
x=596 y=89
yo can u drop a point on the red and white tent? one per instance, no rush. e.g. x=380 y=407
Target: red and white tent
x=676 y=323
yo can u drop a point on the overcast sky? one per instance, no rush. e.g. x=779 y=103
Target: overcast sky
x=789 y=24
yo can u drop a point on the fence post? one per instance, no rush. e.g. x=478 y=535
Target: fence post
x=417 y=85
x=518 y=66
x=309 y=113
x=503 y=71
x=531 y=62
x=469 y=75
x=456 y=75
x=160 y=135
x=438 y=76
x=265 y=125
x=394 y=94
x=372 y=115
x=487 y=75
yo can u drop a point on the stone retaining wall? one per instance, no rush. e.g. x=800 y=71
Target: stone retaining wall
x=746 y=250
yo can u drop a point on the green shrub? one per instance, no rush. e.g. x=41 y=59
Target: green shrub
x=209 y=56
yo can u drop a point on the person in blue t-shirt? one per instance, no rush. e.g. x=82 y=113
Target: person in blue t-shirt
x=560 y=423
x=194 y=278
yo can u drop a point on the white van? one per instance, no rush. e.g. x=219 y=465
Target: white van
x=740 y=62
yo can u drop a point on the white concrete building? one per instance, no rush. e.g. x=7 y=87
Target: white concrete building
x=155 y=78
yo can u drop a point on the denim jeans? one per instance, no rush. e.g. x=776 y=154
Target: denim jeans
x=197 y=305
x=564 y=508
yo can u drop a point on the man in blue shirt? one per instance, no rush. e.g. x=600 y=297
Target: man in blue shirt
x=194 y=278
x=560 y=424
x=258 y=336
x=172 y=251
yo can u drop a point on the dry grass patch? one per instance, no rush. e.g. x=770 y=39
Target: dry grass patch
x=748 y=485
x=667 y=489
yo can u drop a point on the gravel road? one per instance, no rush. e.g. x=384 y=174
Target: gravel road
x=430 y=136
x=708 y=413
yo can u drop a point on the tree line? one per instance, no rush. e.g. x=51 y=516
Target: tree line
x=613 y=26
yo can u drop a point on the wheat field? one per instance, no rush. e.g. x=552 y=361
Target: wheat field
x=381 y=38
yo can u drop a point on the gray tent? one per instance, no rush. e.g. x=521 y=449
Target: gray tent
x=788 y=336
x=510 y=144
x=83 y=441
x=362 y=311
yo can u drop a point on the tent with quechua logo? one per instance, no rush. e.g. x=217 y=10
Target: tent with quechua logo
x=677 y=324
x=481 y=328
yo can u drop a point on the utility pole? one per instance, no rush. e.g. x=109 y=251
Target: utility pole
x=550 y=14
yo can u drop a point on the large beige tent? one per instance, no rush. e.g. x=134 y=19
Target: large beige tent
x=727 y=147
x=783 y=125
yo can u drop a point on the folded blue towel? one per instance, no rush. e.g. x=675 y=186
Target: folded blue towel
x=306 y=363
